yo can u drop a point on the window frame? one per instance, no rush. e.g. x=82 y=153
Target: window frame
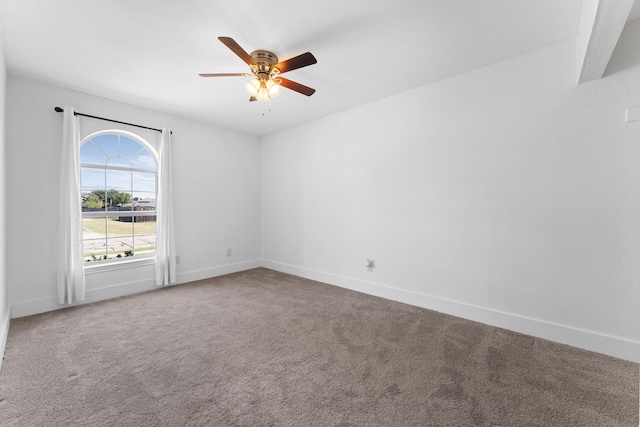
x=123 y=262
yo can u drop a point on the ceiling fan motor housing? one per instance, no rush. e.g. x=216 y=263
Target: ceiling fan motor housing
x=265 y=60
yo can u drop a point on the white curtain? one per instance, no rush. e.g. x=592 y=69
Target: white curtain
x=165 y=241
x=71 y=286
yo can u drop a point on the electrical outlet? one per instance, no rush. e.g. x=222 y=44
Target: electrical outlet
x=370 y=264
x=228 y=252
x=177 y=259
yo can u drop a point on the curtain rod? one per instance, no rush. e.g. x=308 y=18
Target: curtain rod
x=60 y=110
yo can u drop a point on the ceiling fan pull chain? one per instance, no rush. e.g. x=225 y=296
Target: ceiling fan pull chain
x=268 y=110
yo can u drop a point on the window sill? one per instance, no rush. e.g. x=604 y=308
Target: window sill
x=119 y=265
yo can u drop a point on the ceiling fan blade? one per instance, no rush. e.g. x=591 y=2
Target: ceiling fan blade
x=226 y=75
x=235 y=47
x=296 y=62
x=253 y=98
x=289 y=84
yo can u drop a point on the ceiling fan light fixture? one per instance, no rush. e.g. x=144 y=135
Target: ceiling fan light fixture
x=262 y=89
x=253 y=87
x=263 y=92
x=272 y=88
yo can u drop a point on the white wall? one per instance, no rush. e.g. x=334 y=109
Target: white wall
x=216 y=181
x=4 y=303
x=506 y=195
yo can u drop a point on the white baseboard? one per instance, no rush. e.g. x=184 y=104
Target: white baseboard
x=206 y=273
x=42 y=305
x=4 y=333
x=618 y=347
x=50 y=303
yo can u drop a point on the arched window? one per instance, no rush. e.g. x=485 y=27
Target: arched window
x=119 y=181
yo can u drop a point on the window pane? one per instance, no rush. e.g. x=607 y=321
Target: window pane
x=144 y=160
x=120 y=236
x=145 y=225
x=92 y=202
x=107 y=144
x=120 y=226
x=144 y=181
x=89 y=153
x=91 y=179
x=92 y=189
x=94 y=238
x=128 y=147
x=119 y=180
x=145 y=235
x=94 y=228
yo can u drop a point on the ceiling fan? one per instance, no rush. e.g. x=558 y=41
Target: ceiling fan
x=266 y=71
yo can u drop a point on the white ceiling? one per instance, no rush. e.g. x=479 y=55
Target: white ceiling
x=149 y=52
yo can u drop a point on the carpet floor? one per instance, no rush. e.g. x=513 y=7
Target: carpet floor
x=262 y=348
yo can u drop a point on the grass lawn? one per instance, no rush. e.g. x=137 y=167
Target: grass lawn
x=118 y=228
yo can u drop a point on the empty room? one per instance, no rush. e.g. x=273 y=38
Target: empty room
x=293 y=213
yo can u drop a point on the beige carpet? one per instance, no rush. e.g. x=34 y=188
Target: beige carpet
x=261 y=348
